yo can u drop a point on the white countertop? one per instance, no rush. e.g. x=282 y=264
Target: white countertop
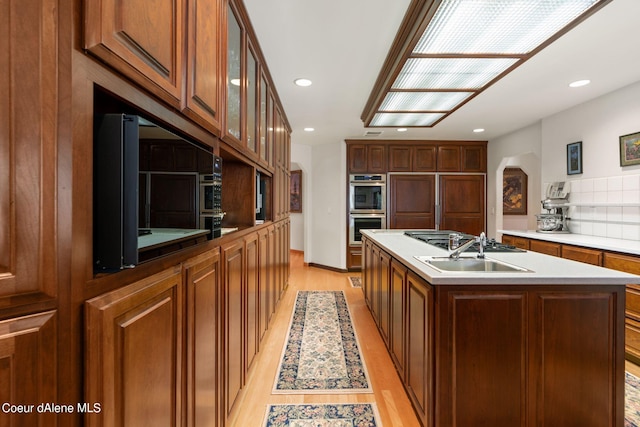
x=605 y=243
x=544 y=269
x=162 y=236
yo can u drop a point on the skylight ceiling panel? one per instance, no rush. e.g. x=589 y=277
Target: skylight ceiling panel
x=422 y=101
x=450 y=73
x=497 y=26
x=405 y=119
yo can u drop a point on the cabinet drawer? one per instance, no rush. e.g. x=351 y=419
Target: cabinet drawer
x=545 y=247
x=632 y=338
x=626 y=263
x=589 y=256
x=632 y=303
x=518 y=242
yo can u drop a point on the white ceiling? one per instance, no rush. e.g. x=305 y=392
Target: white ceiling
x=341 y=46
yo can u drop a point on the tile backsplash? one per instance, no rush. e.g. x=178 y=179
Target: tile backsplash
x=606 y=207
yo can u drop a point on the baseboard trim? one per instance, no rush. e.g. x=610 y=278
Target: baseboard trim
x=326 y=267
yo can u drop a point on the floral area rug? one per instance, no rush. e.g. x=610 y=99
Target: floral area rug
x=631 y=401
x=321 y=354
x=323 y=415
x=355 y=281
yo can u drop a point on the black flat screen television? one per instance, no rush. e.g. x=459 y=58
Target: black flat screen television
x=148 y=192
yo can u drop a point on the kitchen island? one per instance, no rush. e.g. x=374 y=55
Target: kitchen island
x=539 y=345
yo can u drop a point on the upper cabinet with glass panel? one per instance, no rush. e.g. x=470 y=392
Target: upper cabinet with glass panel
x=252 y=87
x=234 y=75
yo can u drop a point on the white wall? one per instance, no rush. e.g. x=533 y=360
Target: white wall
x=519 y=149
x=324 y=204
x=598 y=124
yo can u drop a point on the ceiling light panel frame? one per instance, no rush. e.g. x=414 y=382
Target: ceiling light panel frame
x=428 y=60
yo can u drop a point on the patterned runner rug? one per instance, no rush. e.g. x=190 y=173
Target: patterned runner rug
x=321 y=354
x=631 y=401
x=323 y=415
x=355 y=281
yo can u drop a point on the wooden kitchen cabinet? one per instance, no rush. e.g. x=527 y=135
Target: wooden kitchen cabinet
x=204 y=77
x=586 y=255
x=384 y=277
x=462 y=203
x=462 y=157
x=203 y=345
x=397 y=310
x=367 y=158
x=28 y=371
x=518 y=242
x=411 y=201
x=252 y=304
x=143 y=43
x=544 y=247
x=233 y=284
x=419 y=346
x=412 y=158
x=129 y=364
x=449 y=159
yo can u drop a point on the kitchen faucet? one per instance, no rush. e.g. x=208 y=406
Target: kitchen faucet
x=454 y=240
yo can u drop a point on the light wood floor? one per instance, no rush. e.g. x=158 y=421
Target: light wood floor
x=389 y=395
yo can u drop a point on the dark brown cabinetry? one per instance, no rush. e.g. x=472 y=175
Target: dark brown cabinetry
x=144 y=43
x=128 y=363
x=462 y=203
x=416 y=158
x=495 y=354
x=548 y=248
x=412 y=201
x=370 y=158
x=204 y=76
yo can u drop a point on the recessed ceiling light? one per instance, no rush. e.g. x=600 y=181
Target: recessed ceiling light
x=303 y=82
x=235 y=82
x=401 y=129
x=478 y=130
x=579 y=83
x=309 y=129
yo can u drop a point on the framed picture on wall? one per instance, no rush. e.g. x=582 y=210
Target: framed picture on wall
x=630 y=149
x=295 y=189
x=514 y=192
x=574 y=158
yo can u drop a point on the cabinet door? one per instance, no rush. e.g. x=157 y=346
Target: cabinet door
x=251 y=299
x=462 y=203
x=134 y=353
x=263 y=282
x=385 y=294
x=233 y=284
x=377 y=158
x=203 y=100
x=204 y=381
x=412 y=201
x=518 y=242
x=400 y=159
x=474 y=158
x=357 y=158
x=419 y=321
x=397 y=311
x=28 y=368
x=424 y=158
x=29 y=115
x=142 y=42
x=234 y=76
x=449 y=158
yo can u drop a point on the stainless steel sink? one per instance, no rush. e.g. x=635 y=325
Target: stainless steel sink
x=468 y=264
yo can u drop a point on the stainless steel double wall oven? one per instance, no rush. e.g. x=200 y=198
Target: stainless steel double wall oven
x=367 y=205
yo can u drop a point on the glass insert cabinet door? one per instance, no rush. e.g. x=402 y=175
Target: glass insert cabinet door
x=234 y=74
x=252 y=100
x=263 y=118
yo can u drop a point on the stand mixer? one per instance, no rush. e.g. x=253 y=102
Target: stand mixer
x=556 y=204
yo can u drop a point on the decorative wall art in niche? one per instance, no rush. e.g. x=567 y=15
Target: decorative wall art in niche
x=574 y=158
x=514 y=192
x=630 y=149
x=296 y=191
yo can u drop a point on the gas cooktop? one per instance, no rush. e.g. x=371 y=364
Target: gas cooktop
x=440 y=239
